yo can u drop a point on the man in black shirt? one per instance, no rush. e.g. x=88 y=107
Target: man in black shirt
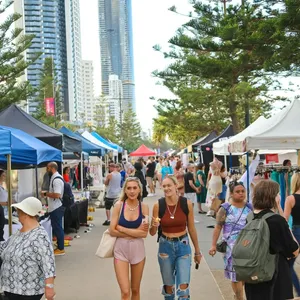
x=150 y=175
x=190 y=189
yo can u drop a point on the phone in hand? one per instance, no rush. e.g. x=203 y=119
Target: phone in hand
x=196 y=266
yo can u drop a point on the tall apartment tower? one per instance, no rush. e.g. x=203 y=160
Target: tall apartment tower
x=46 y=20
x=116 y=47
x=115 y=96
x=88 y=91
x=73 y=37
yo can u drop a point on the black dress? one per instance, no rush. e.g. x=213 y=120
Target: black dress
x=282 y=244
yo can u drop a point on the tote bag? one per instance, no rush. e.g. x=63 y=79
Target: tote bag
x=107 y=243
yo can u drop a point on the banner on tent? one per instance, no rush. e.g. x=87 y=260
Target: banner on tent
x=50 y=106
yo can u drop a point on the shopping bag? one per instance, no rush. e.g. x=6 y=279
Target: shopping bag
x=106 y=246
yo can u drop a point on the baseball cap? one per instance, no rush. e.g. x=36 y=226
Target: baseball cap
x=30 y=206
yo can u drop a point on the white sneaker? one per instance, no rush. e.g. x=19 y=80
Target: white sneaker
x=150 y=195
x=210 y=213
x=196 y=221
x=154 y=195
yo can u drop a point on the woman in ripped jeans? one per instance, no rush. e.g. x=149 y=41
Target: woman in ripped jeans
x=174 y=214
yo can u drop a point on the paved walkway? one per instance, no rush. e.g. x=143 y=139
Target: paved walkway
x=81 y=275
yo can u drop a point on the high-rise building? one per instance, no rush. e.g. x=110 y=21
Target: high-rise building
x=116 y=44
x=73 y=37
x=88 y=91
x=46 y=20
x=115 y=96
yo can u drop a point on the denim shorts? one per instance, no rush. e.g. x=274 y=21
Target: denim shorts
x=175 y=261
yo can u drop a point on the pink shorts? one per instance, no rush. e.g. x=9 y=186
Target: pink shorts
x=131 y=251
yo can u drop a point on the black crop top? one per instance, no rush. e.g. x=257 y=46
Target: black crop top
x=296 y=210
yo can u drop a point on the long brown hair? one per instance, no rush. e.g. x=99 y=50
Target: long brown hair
x=124 y=197
x=295 y=183
x=178 y=165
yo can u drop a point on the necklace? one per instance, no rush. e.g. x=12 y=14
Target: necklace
x=172 y=215
x=133 y=208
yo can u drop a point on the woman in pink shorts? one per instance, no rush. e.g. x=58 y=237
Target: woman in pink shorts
x=129 y=224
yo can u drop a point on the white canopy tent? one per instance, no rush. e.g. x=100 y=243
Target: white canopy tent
x=92 y=139
x=222 y=147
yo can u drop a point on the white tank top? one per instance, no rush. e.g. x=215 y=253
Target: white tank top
x=114 y=186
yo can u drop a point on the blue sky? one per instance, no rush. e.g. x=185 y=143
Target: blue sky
x=152 y=24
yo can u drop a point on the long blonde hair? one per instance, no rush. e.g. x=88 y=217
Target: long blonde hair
x=295 y=183
x=124 y=197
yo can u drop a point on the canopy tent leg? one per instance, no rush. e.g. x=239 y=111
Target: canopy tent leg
x=81 y=171
x=9 y=190
x=225 y=162
x=248 y=179
x=36 y=182
x=201 y=155
x=230 y=160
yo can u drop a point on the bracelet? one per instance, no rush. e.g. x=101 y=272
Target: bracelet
x=198 y=254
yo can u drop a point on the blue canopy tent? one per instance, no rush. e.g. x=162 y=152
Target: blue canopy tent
x=27 y=151
x=87 y=146
x=110 y=144
x=21 y=149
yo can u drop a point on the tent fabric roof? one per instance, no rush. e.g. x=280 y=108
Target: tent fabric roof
x=27 y=150
x=104 y=141
x=280 y=132
x=5 y=142
x=228 y=132
x=142 y=151
x=203 y=140
x=221 y=147
x=15 y=117
x=92 y=139
x=87 y=146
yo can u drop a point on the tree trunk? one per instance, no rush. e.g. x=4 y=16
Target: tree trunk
x=234 y=118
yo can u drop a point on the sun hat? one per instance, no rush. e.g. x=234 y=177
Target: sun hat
x=30 y=206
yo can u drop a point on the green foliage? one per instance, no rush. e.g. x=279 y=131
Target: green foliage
x=13 y=44
x=222 y=64
x=49 y=88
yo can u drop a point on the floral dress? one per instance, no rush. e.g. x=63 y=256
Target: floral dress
x=235 y=221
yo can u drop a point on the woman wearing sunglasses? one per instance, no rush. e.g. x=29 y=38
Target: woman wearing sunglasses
x=231 y=218
x=130 y=225
x=174 y=214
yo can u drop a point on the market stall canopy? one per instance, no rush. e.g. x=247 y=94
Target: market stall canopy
x=221 y=147
x=5 y=142
x=227 y=133
x=142 y=151
x=15 y=117
x=75 y=155
x=104 y=141
x=28 y=151
x=281 y=132
x=92 y=139
x=87 y=146
x=196 y=146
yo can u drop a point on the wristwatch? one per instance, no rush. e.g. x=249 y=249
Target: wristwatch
x=49 y=285
x=45 y=194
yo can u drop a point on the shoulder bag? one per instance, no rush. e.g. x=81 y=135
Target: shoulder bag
x=107 y=243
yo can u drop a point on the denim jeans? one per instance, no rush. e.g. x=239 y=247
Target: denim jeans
x=296 y=232
x=56 y=217
x=175 y=261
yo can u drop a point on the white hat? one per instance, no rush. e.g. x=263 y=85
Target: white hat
x=30 y=206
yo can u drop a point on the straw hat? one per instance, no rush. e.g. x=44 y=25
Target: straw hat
x=30 y=206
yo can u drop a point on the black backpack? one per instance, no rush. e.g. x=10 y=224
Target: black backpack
x=68 y=197
x=162 y=209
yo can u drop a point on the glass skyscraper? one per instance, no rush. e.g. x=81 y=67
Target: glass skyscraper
x=46 y=20
x=116 y=44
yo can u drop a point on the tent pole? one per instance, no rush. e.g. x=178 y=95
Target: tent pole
x=230 y=160
x=225 y=162
x=9 y=190
x=201 y=153
x=248 y=178
x=81 y=172
x=36 y=182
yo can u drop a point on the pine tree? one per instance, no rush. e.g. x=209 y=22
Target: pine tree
x=130 y=130
x=48 y=88
x=13 y=44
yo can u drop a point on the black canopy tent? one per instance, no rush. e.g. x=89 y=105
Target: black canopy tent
x=206 y=152
x=205 y=139
x=15 y=117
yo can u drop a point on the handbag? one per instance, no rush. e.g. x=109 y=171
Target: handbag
x=222 y=245
x=107 y=243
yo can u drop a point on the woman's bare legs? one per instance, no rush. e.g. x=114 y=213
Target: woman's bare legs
x=136 y=278
x=122 y=272
x=238 y=289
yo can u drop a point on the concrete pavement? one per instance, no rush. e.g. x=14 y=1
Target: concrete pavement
x=83 y=276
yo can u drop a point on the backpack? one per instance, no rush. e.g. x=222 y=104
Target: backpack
x=68 y=197
x=252 y=260
x=162 y=209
